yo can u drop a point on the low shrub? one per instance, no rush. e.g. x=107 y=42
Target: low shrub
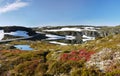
x=76 y=55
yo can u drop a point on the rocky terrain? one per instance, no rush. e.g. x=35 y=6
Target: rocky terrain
x=12 y=32
x=94 y=31
x=98 y=57
x=8 y=29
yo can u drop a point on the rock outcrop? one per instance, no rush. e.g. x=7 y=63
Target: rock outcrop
x=18 y=28
x=78 y=31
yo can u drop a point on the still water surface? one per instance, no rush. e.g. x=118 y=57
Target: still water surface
x=24 y=47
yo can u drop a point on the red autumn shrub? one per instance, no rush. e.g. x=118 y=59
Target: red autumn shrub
x=76 y=55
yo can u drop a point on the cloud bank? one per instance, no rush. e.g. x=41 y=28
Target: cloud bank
x=13 y=6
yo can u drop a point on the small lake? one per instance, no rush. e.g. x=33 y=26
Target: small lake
x=24 y=47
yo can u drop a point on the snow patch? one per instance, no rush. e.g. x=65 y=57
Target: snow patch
x=90 y=28
x=72 y=29
x=1 y=34
x=53 y=36
x=86 y=38
x=64 y=29
x=55 y=42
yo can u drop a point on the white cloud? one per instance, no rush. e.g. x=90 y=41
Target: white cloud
x=13 y=6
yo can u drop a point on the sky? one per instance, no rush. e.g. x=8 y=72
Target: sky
x=59 y=12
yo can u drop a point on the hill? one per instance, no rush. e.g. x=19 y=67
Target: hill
x=99 y=57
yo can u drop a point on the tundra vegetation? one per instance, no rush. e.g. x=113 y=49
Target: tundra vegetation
x=99 y=57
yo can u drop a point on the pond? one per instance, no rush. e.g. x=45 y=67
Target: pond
x=24 y=47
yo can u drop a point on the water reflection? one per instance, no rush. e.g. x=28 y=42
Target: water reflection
x=75 y=41
x=24 y=47
x=56 y=39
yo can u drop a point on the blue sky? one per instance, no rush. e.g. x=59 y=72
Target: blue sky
x=59 y=12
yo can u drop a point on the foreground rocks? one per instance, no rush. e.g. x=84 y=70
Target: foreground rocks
x=104 y=59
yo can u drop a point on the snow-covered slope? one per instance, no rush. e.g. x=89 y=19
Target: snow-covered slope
x=86 y=38
x=72 y=29
x=55 y=42
x=1 y=34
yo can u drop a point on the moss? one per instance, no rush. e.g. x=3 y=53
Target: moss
x=113 y=73
x=41 y=69
x=27 y=68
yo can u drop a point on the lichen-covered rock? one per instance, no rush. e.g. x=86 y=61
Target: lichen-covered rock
x=104 y=59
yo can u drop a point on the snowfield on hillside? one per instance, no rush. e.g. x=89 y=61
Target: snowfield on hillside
x=86 y=38
x=55 y=42
x=72 y=29
x=1 y=34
